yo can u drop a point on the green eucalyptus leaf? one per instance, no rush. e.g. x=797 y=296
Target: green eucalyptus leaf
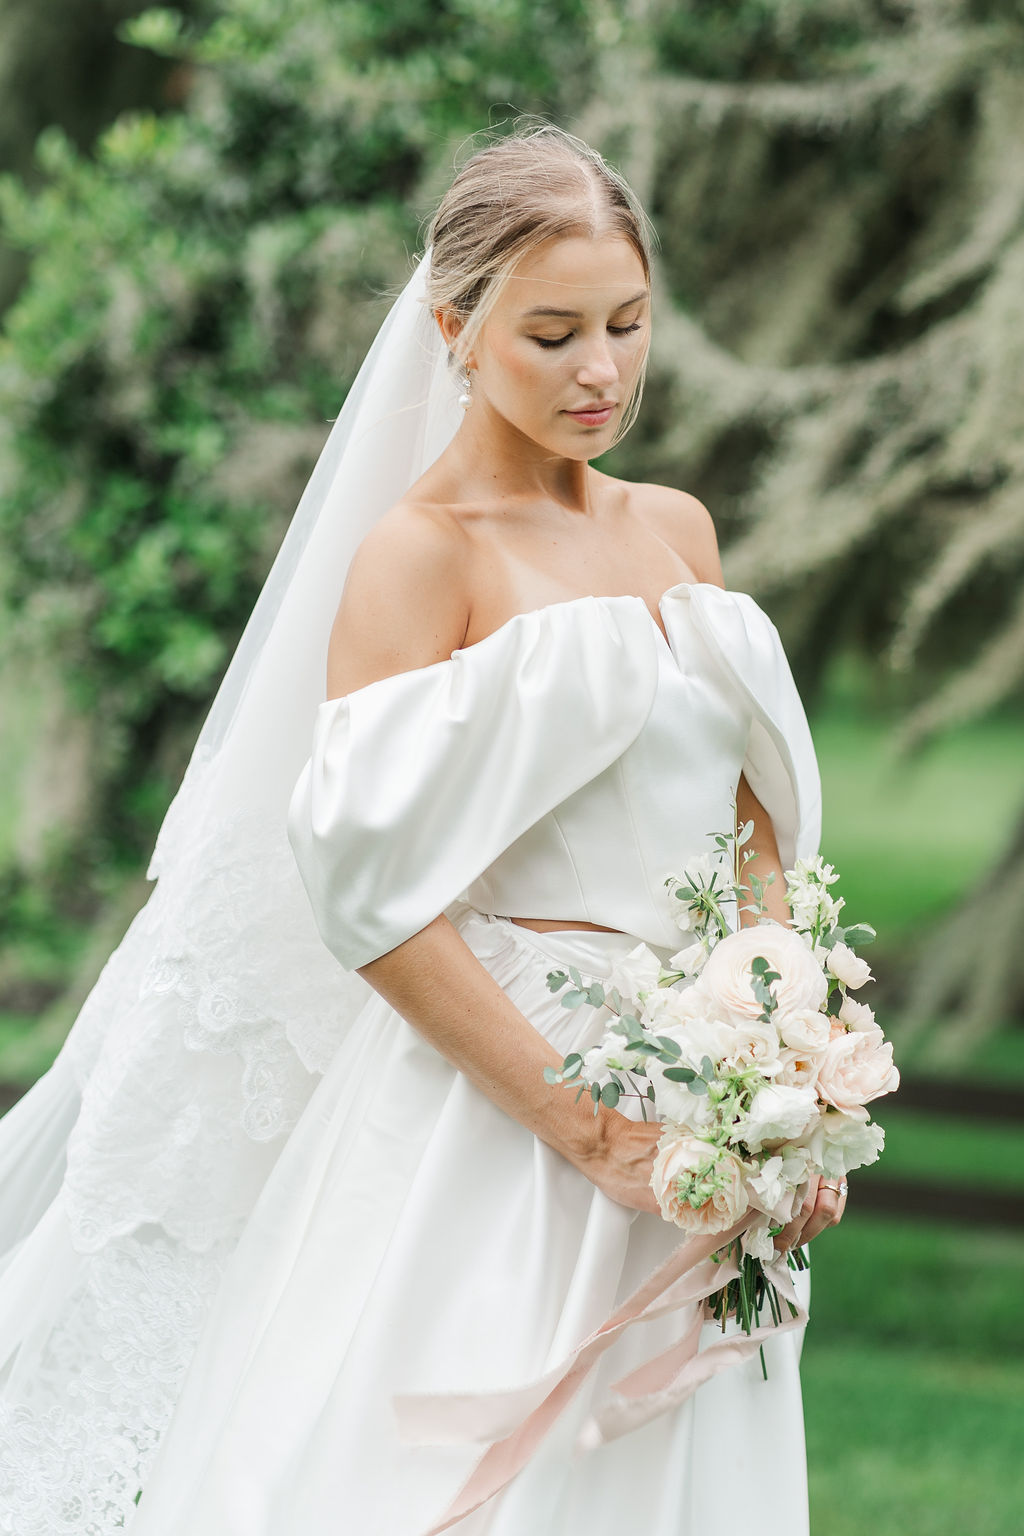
x=573 y=999
x=610 y=1094
x=679 y=1074
x=595 y=995
x=699 y=1087
x=556 y=980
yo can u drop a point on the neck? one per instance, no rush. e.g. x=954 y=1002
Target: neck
x=494 y=460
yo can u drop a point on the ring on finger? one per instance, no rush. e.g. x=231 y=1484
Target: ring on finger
x=841 y=1188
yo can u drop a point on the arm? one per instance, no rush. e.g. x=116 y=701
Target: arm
x=406 y=605
x=440 y=987
x=762 y=841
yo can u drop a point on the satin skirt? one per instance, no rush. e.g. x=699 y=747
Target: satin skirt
x=414 y=1238
x=410 y=1238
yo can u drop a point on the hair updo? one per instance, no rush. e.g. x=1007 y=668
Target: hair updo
x=508 y=199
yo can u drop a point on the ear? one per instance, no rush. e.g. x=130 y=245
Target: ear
x=450 y=325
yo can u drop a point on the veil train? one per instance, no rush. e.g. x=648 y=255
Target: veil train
x=128 y=1171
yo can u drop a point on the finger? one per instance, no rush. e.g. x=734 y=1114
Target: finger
x=828 y=1211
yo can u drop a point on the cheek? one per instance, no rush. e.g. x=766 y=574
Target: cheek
x=523 y=374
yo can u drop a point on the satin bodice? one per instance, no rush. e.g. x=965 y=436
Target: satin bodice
x=602 y=855
x=560 y=768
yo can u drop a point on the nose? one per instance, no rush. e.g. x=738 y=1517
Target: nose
x=597 y=370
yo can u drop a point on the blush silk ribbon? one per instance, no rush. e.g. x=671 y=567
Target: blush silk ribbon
x=515 y=1420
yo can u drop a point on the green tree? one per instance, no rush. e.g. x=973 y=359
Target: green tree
x=840 y=355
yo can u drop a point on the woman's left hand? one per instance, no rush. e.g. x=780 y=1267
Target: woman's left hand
x=823 y=1207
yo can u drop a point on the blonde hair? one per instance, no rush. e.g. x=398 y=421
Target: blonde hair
x=509 y=198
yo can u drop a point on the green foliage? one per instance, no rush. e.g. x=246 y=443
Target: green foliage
x=195 y=308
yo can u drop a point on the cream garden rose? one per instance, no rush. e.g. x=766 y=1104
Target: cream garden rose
x=699 y=1187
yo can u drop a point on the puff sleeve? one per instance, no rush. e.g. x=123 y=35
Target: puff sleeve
x=781 y=765
x=417 y=782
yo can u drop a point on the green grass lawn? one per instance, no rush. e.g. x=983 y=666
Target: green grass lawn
x=909 y=837
x=913 y=1372
x=939 y=1148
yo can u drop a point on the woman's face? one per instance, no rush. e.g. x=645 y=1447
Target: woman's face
x=559 y=353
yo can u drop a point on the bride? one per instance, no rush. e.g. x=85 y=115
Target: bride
x=295 y=1236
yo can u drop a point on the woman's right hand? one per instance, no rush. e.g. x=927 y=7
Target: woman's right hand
x=621 y=1168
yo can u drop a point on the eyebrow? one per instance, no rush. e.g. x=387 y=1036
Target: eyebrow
x=544 y=311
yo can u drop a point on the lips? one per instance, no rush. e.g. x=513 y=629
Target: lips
x=593 y=415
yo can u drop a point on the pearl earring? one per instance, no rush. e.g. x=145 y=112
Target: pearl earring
x=466 y=383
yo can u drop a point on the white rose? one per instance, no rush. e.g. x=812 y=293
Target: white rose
x=857 y=1068
x=798 y=1069
x=756 y=1044
x=726 y=976
x=635 y=973
x=698 y=1186
x=847 y=967
x=845 y=1142
x=856 y=1015
x=777 y=1113
x=806 y=1030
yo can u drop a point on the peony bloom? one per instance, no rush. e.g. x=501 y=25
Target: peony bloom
x=857 y=1068
x=847 y=967
x=726 y=977
x=698 y=1186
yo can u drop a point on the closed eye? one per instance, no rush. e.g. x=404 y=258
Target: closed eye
x=560 y=341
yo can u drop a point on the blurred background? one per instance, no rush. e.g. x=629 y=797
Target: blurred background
x=203 y=215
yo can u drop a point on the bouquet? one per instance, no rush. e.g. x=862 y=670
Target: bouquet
x=751 y=1050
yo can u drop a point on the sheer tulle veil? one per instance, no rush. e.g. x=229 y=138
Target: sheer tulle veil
x=128 y=1171
x=400 y=413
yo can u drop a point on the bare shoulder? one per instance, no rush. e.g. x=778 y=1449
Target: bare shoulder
x=405 y=602
x=685 y=524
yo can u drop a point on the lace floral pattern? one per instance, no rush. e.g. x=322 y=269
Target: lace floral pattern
x=197 y=1061
x=76 y=1445
x=195 y=1054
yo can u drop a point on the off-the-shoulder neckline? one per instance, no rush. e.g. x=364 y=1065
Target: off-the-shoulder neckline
x=599 y=597
x=560 y=605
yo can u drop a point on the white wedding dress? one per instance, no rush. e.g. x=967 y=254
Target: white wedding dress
x=242 y=1229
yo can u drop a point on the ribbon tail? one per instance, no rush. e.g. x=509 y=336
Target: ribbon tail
x=442 y=1418
x=666 y=1381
